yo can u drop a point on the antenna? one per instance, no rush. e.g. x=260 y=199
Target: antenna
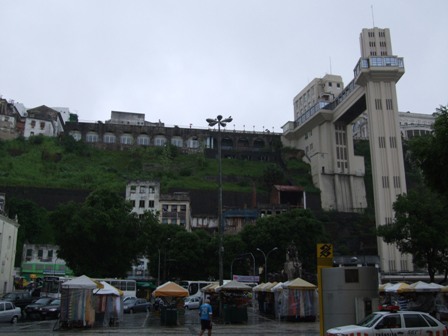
x=331 y=72
x=373 y=17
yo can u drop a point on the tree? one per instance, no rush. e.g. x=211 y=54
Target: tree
x=100 y=238
x=34 y=224
x=272 y=174
x=298 y=226
x=430 y=153
x=420 y=228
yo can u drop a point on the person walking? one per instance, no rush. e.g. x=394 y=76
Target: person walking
x=205 y=314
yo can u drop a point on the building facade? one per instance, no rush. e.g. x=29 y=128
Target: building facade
x=40 y=260
x=43 y=120
x=172 y=208
x=144 y=196
x=411 y=125
x=175 y=209
x=8 y=244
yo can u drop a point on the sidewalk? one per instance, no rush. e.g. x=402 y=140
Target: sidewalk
x=149 y=324
x=256 y=325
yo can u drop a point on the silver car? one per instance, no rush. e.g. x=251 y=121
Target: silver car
x=9 y=312
x=192 y=302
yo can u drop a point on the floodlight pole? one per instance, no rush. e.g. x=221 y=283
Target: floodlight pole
x=221 y=123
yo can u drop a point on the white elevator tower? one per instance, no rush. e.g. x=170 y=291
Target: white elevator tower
x=324 y=112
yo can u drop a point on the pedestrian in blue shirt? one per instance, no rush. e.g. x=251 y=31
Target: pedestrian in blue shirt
x=205 y=314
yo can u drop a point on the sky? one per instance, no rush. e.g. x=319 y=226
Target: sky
x=183 y=61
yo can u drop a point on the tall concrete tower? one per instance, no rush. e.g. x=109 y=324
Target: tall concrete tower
x=324 y=114
x=377 y=72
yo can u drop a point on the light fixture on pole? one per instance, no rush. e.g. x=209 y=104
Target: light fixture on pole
x=221 y=123
x=231 y=267
x=253 y=260
x=266 y=255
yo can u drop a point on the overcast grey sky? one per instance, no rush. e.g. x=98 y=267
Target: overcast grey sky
x=182 y=61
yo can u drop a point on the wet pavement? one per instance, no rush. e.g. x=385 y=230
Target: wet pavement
x=149 y=324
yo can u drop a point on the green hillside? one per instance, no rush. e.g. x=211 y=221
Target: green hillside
x=65 y=163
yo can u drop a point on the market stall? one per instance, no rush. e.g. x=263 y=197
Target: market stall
x=297 y=301
x=418 y=296
x=77 y=302
x=276 y=290
x=108 y=303
x=209 y=292
x=235 y=298
x=172 y=311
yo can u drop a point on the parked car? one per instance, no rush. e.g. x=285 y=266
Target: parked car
x=51 y=311
x=133 y=305
x=393 y=323
x=128 y=298
x=441 y=312
x=9 y=312
x=20 y=299
x=32 y=310
x=192 y=302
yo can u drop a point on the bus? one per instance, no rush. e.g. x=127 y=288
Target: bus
x=51 y=286
x=194 y=287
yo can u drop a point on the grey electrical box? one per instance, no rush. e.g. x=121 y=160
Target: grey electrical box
x=348 y=294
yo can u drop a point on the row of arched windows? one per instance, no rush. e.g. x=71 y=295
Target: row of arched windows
x=128 y=139
x=161 y=140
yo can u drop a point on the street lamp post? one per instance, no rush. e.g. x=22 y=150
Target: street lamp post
x=231 y=267
x=266 y=255
x=221 y=123
x=239 y=258
x=158 y=272
x=164 y=261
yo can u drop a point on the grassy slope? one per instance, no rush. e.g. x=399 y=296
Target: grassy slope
x=46 y=162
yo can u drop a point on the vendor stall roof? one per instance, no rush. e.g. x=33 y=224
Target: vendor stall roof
x=421 y=286
x=277 y=287
x=171 y=289
x=269 y=286
x=382 y=287
x=211 y=288
x=299 y=284
x=108 y=290
x=82 y=282
x=399 y=287
x=234 y=285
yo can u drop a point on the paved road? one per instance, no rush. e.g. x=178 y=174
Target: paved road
x=149 y=324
